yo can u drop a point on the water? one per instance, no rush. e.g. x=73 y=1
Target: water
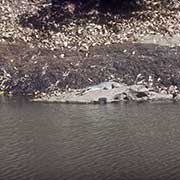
x=41 y=141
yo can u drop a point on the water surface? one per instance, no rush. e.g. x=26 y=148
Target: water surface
x=40 y=141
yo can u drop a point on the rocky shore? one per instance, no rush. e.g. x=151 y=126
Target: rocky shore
x=42 y=72
x=44 y=57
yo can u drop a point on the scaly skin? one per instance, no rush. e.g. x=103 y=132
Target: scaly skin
x=101 y=86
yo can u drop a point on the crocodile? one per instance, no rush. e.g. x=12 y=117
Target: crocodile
x=101 y=86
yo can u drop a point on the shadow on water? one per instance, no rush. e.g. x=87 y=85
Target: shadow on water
x=73 y=142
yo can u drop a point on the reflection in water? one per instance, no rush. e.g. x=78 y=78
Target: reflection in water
x=41 y=141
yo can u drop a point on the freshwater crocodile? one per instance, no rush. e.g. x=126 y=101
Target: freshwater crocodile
x=101 y=86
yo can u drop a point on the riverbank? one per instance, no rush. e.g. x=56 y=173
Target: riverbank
x=43 y=55
x=26 y=70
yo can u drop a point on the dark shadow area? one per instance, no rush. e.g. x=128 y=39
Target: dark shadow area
x=61 y=12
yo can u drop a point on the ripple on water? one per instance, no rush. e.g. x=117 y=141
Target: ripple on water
x=52 y=141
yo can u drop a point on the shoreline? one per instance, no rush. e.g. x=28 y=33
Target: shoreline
x=33 y=71
x=99 y=94
x=44 y=55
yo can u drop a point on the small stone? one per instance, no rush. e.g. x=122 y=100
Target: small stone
x=134 y=52
x=62 y=55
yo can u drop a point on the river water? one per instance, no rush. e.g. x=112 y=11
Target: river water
x=40 y=141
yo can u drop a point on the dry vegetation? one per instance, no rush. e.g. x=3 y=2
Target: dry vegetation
x=38 y=23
